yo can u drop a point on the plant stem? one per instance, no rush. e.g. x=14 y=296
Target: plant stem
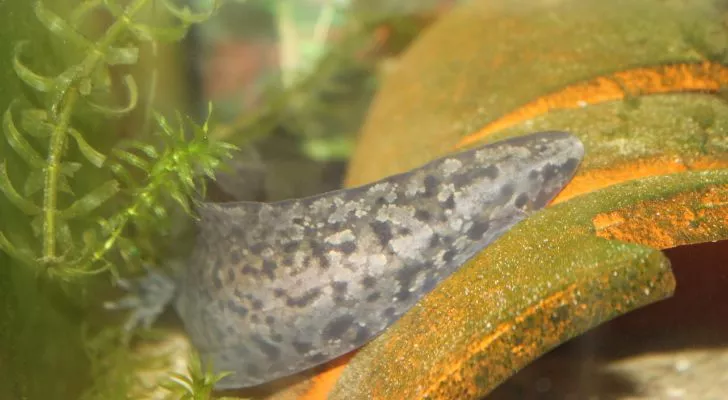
x=68 y=99
x=52 y=171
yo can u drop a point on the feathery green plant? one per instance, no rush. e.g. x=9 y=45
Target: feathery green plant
x=196 y=384
x=83 y=234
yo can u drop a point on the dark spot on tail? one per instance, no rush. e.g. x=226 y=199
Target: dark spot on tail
x=290 y=247
x=337 y=327
x=340 y=290
x=305 y=299
x=423 y=215
x=302 y=347
x=347 y=247
x=406 y=278
x=339 y=287
x=362 y=335
x=491 y=172
x=550 y=172
x=383 y=232
x=237 y=308
x=271 y=351
x=318 y=251
x=257 y=248
x=368 y=282
x=235 y=256
x=318 y=358
x=373 y=297
x=403 y=294
x=448 y=256
x=571 y=164
x=521 y=200
x=449 y=203
x=249 y=271
x=478 y=229
x=506 y=192
x=431 y=186
x=269 y=268
x=390 y=314
x=434 y=241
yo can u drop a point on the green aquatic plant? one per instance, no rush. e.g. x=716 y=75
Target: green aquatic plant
x=196 y=384
x=129 y=184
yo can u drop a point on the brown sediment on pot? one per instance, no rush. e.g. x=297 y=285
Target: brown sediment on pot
x=661 y=79
x=454 y=369
x=322 y=383
x=591 y=180
x=667 y=222
x=489 y=360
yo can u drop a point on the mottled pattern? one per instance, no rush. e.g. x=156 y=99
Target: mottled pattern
x=273 y=289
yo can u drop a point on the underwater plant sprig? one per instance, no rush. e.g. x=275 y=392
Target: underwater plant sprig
x=175 y=173
x=70 y=245
x=197 y=384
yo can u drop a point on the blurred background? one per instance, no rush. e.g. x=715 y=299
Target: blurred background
x=292 y=80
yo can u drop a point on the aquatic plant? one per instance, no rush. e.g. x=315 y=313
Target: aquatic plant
x=63 y=143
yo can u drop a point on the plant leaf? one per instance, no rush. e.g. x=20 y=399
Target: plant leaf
x=13 y=196
x=69 y=168
x=146 y=148
x=33 y=183
x=123 y=175
x=92 y=155
x=91 y=201
x=59 y=26
x=19 y=144
x=65 y=237
x=36 y=225
x=64 y=186
x=122 y=56
x=35 y=123
x=180 y=199
x=131 y=159
x=23 y=255
x=30 y=78
x=187 y=16
x=131 y=88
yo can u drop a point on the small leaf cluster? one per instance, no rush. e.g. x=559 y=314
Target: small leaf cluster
x=73 y=233
x=175 y=174
x=197 y=384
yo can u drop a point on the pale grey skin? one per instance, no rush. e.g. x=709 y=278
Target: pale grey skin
x=274 y=289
